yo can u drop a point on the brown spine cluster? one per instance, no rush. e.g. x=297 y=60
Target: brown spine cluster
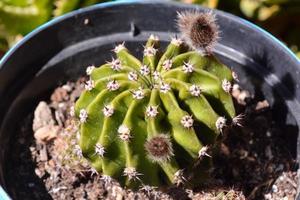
x=199 y=30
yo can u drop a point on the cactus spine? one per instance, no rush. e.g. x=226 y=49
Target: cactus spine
x=146 y=122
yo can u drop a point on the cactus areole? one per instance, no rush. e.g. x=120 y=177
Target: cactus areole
x=147 y=122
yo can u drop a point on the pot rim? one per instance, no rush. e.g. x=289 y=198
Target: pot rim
x=36 y=31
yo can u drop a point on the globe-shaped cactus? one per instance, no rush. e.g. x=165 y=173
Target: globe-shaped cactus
x=143 y=122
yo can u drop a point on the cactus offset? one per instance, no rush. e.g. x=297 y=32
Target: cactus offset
x=146 y=122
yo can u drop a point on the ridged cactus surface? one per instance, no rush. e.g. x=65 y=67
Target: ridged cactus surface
x=143 y=122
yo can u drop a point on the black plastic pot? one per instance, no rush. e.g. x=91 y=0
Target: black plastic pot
x=61 y=49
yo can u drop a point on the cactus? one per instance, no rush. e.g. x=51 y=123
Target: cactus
x=148 y=122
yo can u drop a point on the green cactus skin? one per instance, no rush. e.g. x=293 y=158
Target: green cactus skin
x=138 y=119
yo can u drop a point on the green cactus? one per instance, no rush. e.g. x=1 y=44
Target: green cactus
x=139 y=118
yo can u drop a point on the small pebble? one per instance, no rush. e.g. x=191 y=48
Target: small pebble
x=46 y=134
x=268 y=196
x=67 y=87
x=86 y=21
x=274 y=188
x=261 y=105
x=42 y=116
x=61 y=105
x=243 y=153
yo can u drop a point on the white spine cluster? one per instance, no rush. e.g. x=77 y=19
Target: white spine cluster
x=179 y=177
x=83 y=115
x=220 y=123
x=89 y=85
x=124 y=133
x=195 y=90
x=116 y=64
x=77 y=151
x=145 y=70
x=113 y=85
x=89 y=70
x=108 y=110
x=187 y=121
x=99 y=150
x=131 y=173
x=187 y=67
x=152 y=111
x=164 y=87
x=203 y=152
x=138 y=94
x=237 y=120
x=167 y=64
x=150 y=51
x=176 y=41
x=119 y=47
x=132 y=76
x=226 y=85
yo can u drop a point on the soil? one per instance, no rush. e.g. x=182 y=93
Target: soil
x=254 y=161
